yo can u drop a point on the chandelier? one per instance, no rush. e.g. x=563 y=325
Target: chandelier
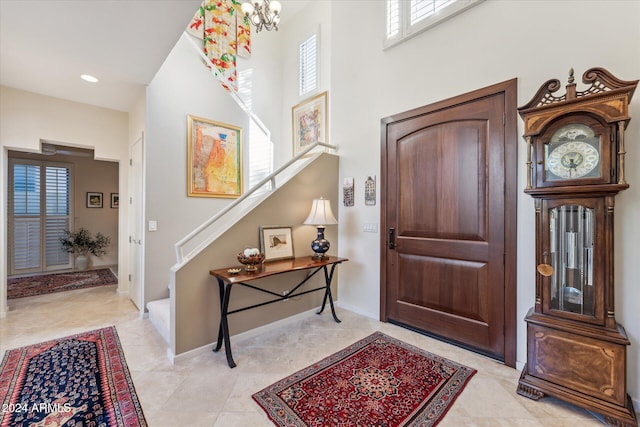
x=263 y=13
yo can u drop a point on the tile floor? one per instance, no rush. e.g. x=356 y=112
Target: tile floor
x=204 y=391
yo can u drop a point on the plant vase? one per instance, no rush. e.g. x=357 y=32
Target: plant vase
x=82 y=262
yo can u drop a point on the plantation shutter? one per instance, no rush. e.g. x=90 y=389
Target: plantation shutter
x=308 y=65
x=422 y=9
x=407 y=18
x=260 y=146
x=25 y=198
x=56 y=214
x=39 y=207
x=393 y=18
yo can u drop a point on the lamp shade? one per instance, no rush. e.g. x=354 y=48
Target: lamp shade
x=321 y=213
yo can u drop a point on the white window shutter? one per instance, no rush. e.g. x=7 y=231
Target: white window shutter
x=393 y=19
x=26 y=248
x=260 y=145
x=57 y=197
x=309 y=65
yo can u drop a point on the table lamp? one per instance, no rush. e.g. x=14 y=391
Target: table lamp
x=320 y=216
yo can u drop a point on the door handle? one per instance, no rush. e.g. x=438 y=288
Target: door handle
x=392 y=238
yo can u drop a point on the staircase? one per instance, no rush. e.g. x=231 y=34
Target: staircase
x=200 y=239
x=160 y=316
x=189 y=247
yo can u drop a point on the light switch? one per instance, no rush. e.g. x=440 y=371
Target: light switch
x=153 y=225
x=370 y=227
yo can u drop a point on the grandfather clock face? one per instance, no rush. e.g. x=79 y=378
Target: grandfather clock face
x=573 y=152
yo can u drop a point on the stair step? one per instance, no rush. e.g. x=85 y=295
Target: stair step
x=160 y=316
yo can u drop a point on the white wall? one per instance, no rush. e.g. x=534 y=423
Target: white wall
x=26 y=118
x=490 y=43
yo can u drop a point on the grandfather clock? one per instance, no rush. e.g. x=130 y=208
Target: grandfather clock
x=576 y=351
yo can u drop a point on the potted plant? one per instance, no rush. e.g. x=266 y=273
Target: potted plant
x=81 y=243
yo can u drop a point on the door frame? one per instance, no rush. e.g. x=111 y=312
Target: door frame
x=509 y=89
x=136 y=258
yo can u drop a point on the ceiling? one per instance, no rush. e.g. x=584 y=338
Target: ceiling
x=45 y=45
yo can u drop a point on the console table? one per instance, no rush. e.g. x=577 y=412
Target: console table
x=226 y=280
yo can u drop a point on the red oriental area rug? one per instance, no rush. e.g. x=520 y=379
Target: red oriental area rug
x=80 y=380
x=50 y=283
x=378 y=381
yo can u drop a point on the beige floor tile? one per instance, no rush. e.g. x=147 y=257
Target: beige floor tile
x=204 y=391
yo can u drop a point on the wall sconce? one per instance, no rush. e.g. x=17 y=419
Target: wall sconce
x=320 y=216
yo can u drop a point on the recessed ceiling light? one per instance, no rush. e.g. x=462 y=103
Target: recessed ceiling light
x=89 y=78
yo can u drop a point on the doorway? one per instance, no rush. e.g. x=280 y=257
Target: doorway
x=449 y=192
x=40 y=209
x=48 y=193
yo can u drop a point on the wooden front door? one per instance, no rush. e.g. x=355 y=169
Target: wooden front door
x=449 y=220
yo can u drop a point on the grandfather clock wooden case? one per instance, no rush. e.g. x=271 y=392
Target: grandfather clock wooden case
x=576 y=351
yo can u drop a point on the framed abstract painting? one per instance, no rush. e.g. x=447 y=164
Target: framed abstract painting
x=310 y=122
x=214 y=159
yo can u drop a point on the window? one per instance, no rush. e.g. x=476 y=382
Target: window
x=407 y=18
x=39 y=207
x=308 y=65
x=260 y=145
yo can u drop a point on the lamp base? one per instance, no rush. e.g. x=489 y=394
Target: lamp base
x=320 y=245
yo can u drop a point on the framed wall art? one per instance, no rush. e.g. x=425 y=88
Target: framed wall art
x=214 y=158
x=115 y=200
x=348 y=191
x=310 y=122
x=94 y=199
x=370 y=191
x=276 y=243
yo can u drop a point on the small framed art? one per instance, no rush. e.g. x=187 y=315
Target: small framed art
x=94 y=200
x=276 y=243
x=115 y=200
x=310 y=122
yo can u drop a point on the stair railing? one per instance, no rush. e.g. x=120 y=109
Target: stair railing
x=271 y=179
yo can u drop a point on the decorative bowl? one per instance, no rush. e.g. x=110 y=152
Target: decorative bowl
x=250 y=261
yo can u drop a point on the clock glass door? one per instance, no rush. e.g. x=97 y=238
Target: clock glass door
x=571 y=238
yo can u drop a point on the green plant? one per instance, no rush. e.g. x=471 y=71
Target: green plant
x=81 y=242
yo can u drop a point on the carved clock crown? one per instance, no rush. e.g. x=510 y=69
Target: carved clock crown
x=605 y=100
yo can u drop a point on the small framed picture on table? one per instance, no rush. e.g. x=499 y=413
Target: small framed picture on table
x=276 y=243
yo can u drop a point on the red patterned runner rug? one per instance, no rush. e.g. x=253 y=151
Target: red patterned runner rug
x=59 y=282
x=80 y=380
x=378 y=381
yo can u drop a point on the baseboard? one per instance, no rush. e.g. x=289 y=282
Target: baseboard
x=357 y=310
x=243 y=335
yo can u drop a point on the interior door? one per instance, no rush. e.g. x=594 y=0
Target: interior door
x=449 y=225
x=136 y=175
